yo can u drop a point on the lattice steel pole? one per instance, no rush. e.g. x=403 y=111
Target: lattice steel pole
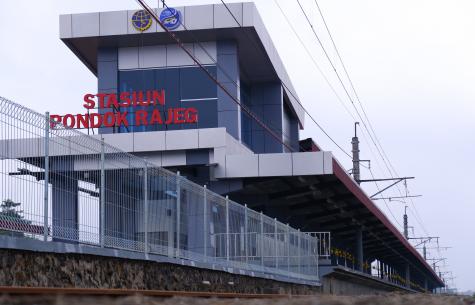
x=46 y=186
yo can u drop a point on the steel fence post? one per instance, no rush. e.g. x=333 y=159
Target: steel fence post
x=227 y=227
x=276 y=251
x=46 y=182
x=205 y=212
x=102 y=196
x=178 y=212
x=145 y=213
x=299 y=245
x=288 y=248
x=246 y=237
x=262 y=238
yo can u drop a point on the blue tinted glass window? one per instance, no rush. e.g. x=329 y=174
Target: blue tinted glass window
x=187 y=87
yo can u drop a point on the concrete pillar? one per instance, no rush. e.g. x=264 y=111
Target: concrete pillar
x=120 y=216
x=408 y=276
x=64 y=200
x=426 y=285
x=359 y=248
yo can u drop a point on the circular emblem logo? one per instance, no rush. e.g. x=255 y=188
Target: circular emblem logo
x=141 y=20
x=170 y=18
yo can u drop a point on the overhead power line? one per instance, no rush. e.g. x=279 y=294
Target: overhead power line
x=287 y=87
x=221 y=86
x=215 y=80
x=383 y=153
x=371 y=131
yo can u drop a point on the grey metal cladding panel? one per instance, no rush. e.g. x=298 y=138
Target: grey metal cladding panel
x=226 y=47
x=242 y=166
x=85 y=25
x=113 y=23
x=273 y=115
x=153 y=56
x=197 y=157
x=123 y=141
x=248 y=12
x=218 y=156
x=328 y=162
x=149 y=141
x=176 y=56
x=272 y=94
x=230 y=120
x=225 y=102
x=224 y=19
x=308 y=163
x=228 y=70
x=65 y=26
x=258 y=141
x=173 y=158
x=107 y=54
x=275 y=165
x=276 y=60
x=199 y=17
x=132 y=30
x=212 y=137
x=107 y=75
x=206 y=52
x=272 y=145
x=128 y=58
x=181 y=139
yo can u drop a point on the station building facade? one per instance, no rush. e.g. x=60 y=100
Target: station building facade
x=230 y=119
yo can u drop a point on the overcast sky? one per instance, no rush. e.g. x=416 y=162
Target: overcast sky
x=412 y=63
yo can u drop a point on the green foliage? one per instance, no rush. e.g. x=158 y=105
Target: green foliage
x=10 y=213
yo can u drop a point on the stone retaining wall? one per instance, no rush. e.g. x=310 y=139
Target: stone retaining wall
x=43 y=269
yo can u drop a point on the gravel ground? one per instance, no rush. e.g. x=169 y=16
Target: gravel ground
x=388 y=299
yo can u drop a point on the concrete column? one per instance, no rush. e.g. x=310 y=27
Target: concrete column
x=64 y=200
x=408 y=276
x=359 y=248
x=120 y=210
x=426 y=285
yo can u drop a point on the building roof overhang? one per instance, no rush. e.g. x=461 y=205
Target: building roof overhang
x=335 y=202
x=85 y=33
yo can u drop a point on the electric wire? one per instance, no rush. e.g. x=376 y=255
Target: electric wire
x=287 y=87
x=238 y=86
x=178 y=41
x=328 y=82
x=223 y=88
x=218 y=66
x=378 y=142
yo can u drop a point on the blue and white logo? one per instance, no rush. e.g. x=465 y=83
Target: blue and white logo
x=170 y=18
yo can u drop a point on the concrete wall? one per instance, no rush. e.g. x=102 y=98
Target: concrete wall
x=35 y=269
x=353 y=285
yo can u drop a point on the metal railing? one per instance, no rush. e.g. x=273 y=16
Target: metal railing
x=58 y=184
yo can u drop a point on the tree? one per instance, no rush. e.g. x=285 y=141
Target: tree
x=11 y=218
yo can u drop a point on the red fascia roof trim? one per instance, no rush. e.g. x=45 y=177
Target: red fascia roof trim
x=356 y=190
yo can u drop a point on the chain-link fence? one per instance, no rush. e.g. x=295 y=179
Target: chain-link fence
x=62 y=185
